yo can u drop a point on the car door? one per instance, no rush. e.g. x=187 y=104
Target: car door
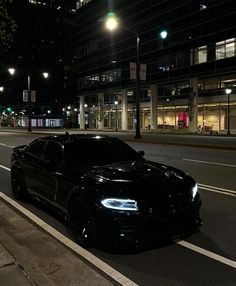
x=31 y=163
x=51 y=168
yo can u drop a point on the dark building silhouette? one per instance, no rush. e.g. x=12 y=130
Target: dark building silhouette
x=43 y=42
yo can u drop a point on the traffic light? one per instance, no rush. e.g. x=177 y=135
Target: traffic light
x=9 y=109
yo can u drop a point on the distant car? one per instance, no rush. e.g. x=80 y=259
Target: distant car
x=105 y=189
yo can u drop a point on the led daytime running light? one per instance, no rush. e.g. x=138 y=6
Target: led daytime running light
x=120 y=204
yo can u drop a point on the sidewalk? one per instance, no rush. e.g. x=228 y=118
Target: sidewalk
x=30 y=256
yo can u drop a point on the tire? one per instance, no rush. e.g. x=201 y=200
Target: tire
x=18 y=186
x=82 y=223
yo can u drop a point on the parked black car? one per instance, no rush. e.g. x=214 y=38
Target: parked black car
x=105 y=189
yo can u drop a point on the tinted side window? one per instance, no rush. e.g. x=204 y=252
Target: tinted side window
x=36 y=148
x=53 y=152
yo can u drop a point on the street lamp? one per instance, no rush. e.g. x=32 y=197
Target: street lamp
x=228 y=92
x=45 y=75
x=163 y=35
x=137 y=133
x=111 y=24
x=11 y=71
x=116 y=104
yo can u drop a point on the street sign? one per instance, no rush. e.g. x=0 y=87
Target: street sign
x=143 y=71
x=132 y=67
x=25 y=95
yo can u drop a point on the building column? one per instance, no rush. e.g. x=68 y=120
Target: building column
x=219 y=117
x=101 y=110
x=81 y=113
x=153 y=106
x=124 y=110
x=193 y=105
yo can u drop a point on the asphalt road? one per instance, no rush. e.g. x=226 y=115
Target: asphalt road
x=206 y=258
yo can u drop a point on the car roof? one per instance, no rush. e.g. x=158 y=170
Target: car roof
x=67 y=137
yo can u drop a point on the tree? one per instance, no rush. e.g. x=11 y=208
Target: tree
x=7 y=25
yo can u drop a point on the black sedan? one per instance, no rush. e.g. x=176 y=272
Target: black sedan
x=105 y=189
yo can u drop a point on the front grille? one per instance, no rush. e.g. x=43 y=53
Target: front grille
x=167 y=203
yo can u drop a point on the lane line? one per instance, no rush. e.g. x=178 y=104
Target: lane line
x=207 y=253
x=5 y=168
x=98 y=263
x=217 y=190
x=5 y=145
x=211 y=163
x=220 y=192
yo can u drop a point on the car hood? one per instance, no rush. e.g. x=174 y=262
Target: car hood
x=135 y=171
x=139 y=177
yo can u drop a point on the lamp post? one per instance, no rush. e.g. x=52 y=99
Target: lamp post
x=111 y=24
x=137 y=100
x=228 y=92
x=29 y=105
x=116 y=104
x=163 y=35
x=45 y=75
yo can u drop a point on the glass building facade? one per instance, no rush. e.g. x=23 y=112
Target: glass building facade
x=187 y=73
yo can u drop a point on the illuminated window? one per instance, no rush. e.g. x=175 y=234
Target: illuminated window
x=111 y=75
x=81 y=3
x=225 y=49
x=199 y=55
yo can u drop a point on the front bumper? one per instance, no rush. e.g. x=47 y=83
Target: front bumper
x=142 y=227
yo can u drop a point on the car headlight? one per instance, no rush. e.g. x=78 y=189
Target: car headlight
x=120 y=204
x=194 y=191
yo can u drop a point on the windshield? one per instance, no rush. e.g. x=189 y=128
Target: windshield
x=98 y=152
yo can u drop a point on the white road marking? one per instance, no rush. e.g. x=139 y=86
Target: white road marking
x=5 y=168
x=207 y=253
x=211 y=163
x=217 y=190
x=105 y=268
x=5 y=145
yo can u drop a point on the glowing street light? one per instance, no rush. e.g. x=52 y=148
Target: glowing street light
x=111 y=22
x=163 y=34
x=45 y=74
x=1 y=88
x=11 y=71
